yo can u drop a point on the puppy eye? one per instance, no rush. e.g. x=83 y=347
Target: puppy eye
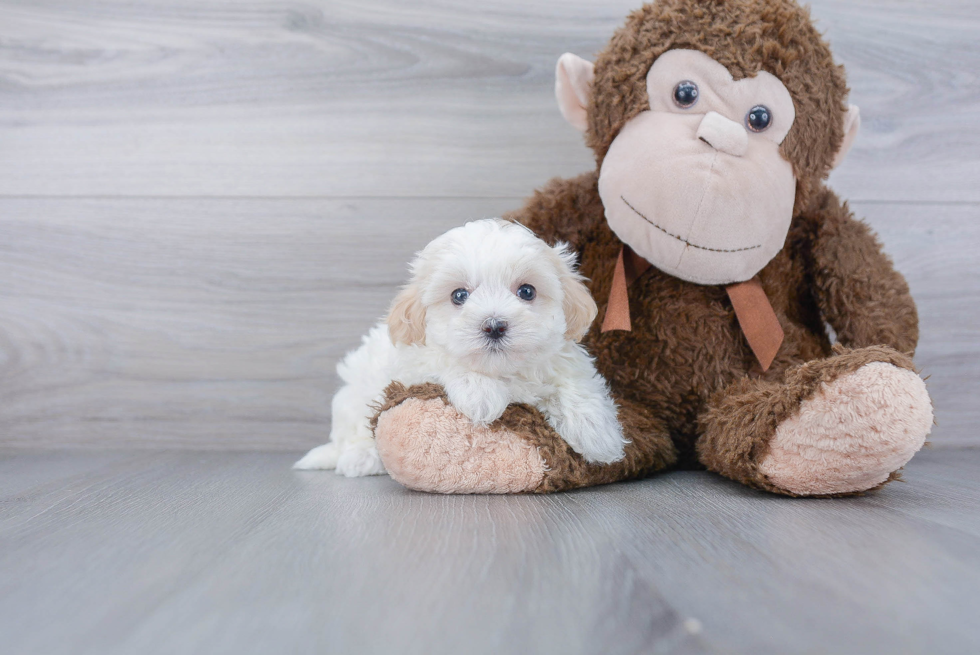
x=759 y=118
x=459 y=296
x=526 y=292
x=686 y=94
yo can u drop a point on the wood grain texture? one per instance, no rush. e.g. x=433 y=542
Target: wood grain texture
x=313 y=98
x=211 y=323
x=188 y=552
x=204 y=203
x=935 y=247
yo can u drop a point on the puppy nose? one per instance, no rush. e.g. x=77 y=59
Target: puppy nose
x=723 y=134
x=494 y=328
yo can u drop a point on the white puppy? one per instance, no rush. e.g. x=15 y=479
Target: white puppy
x=493 y=314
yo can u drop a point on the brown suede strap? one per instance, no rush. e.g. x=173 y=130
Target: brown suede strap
x=629 y=266
x=752 y=308
x=759 y=323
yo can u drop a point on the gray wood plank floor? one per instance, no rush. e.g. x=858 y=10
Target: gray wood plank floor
x=185 y=552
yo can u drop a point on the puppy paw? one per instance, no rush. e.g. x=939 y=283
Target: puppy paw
x=480 y=399
x=359 y=461
x=321 y=457
x=483 y=411
x=597 y=437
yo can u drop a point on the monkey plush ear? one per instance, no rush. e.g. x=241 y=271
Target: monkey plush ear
x=406 y=319
x=852 y=122
x=573 y=88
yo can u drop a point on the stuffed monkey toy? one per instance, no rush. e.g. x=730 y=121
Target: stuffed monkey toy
x=717 y=257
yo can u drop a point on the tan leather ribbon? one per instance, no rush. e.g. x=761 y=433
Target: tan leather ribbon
x=752 y=308
x=629 y=266
x=759 y=323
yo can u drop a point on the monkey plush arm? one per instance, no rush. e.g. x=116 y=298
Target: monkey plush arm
x=859 y=292
x=563 y=210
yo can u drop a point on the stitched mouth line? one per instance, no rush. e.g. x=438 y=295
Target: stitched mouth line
x=682 y=239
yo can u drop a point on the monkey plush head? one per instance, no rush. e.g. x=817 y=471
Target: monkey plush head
x=712 y=122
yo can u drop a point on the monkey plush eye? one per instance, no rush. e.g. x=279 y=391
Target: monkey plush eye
x=685 y=94
x=526 y=292
x=459 y=296
x=758 y=118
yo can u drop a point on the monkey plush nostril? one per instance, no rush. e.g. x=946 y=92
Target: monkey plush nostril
x=494 y=328
x=723 y=134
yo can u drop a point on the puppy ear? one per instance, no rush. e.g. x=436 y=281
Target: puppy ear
x=579 y=307
x=406 y=318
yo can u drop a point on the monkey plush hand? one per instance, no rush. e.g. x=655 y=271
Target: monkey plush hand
x=717 y=257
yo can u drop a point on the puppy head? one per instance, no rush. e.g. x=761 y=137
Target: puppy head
x=493 y=296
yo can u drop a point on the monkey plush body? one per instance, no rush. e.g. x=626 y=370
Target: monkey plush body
x=714 y=124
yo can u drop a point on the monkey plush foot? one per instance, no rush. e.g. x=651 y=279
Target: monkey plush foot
x=427 y=445
x=840 y=425
x=852 y=434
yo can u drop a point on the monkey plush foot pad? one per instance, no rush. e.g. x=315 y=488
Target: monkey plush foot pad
x=427 y=445
x=852 y=434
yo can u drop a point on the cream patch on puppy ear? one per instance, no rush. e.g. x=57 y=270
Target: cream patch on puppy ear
x=577 y=303
x=852 y=123
x=579 y=307
x=573 y=88
x=406 y=319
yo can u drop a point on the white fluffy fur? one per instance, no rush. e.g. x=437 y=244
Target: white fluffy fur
x=429 y=339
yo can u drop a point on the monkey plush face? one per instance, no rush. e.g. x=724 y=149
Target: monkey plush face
x=695 y=184
x=700 y=169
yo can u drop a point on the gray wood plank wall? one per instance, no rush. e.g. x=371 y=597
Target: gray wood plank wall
x=204 y=204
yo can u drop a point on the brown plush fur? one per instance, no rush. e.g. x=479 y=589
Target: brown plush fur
x=690 y=389
x=745 y=36
x=686 y=361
